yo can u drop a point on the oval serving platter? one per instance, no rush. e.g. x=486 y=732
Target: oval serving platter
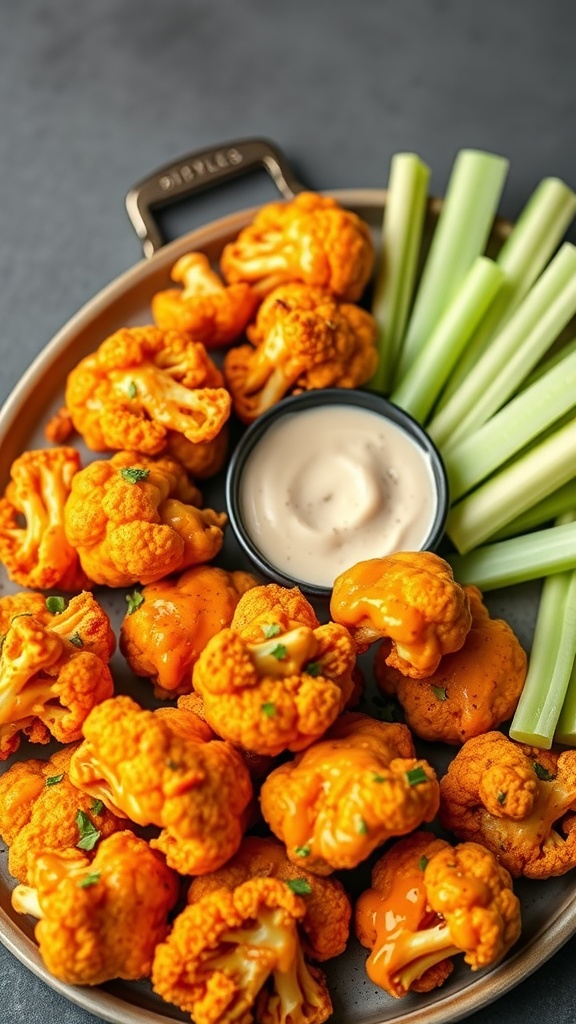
x=549 y=908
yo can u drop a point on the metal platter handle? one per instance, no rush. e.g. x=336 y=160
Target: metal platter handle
x=201 y=170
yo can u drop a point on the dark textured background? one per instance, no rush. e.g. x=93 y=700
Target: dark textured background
x=95 y=95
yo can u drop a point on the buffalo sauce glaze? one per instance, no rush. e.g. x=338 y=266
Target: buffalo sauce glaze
x=327 y=487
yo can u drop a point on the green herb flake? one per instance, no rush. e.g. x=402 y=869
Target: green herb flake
x=362 y=828
x=299 y=886
x=423 y=863
x=501 y=798
x=89 y=880
x=56 y=605
x=416 y=775
x=133 y=475
x=53 y=780
x=97 y=807
x=174 y=766
x=132 y=389
x=134 y=600
x=313 y=668
x=378 y=778
x=271 y=629
x=279 y=652
x=268 y=709
x=543 y=774
x=89 y=834
x=76 y=639
x=439 y=692
x=303 y=851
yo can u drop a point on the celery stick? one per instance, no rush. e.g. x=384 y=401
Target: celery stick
x=546 y=364
x=531 y=477
x=551 y=660
x=521 y=420
x=566 y=728
x=556 y=504
x=513 y=352
x=463 y=227
x=531 y=243
x=418 y=389
x=402 y=229
x=518 y=559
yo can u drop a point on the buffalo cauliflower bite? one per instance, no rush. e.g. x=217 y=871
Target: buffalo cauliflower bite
x=211 y=312
x=141 y=383
x=325 y=927
x=40 y=809
x=471 y=691
x=428 y=902
x=50 y=678
x=235 y=956
x=310 y=239
x=172 y=620
x=135 y=520
x=33 y=544
x=410 y=598
x=280 y=692
x=347 y=794
x=303 y=338
x=164 y=768
x=99 y=919
x=509 y=797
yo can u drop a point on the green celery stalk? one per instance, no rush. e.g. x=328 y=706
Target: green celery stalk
x=513 y=352
x=402 y=229
x=566 y=728
x=518 y=559
x=420 y=386
x=517 y=423
x=528 y=248
x=556 y=504
x=551 y=661
x=531 y=477
x=461 y=234
x=551 y=360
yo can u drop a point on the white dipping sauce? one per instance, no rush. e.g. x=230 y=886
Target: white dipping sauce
x=327 y=487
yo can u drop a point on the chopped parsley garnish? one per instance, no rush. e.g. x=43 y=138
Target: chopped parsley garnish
x=89 y=834
x=56 y=605
x=134 y=600
x=303 y=851
x=268 y=709
x=279 y=652
x=362 y=827
x=133 y=475
x=378 y=778
x=422 y=863
x=271 y=629
x=501 y=798
x=543 y=774
x=416 y=775
x=53 y=780
x=439 y=692
x=132 y=389
x=97 y=807
x=313 y=668
x=76 y=639
x=89 y=880
x=299 y=886
x=173 y=765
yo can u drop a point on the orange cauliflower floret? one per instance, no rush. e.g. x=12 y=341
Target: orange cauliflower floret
x=141 y=383
x=310 y=239
x=40 y=809
x=471 y=691
x=134 y=519
x=325 y=927
x=303 y=338
x=163 y=768
x=202 y=459
x=428 y=902
x=412 y=599
x=205 y=308
x=37 y=554
x=271 y=604
x=52 y=673
x=509 y=796
x=235 y=956
x=347 y=794
x=100 y=918
x=279 y=692
x=170 y=622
